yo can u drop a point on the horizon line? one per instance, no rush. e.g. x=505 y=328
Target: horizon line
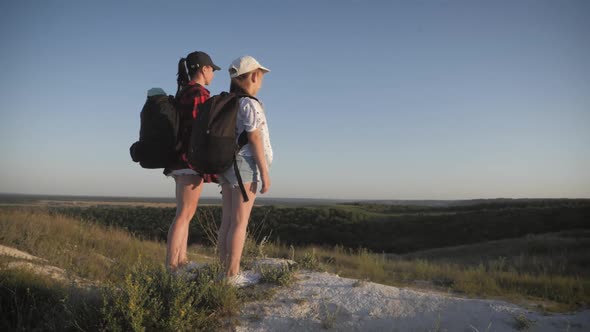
x=300 y=198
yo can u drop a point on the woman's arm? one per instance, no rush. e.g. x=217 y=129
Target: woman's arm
x=255 y=141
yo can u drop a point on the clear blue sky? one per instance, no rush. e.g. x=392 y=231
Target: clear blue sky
x=366 y=99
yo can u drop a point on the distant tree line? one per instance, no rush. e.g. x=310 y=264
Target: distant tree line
x=472 y=205
x=417 y=229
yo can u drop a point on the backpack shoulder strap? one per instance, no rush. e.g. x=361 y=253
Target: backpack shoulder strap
x=247 y=96
x=239 y=178
x=242 y=140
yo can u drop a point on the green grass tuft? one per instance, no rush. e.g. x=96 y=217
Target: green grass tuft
x=281 y=276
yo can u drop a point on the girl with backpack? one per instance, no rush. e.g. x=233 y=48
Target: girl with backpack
x=194 y=73
x=253 y=162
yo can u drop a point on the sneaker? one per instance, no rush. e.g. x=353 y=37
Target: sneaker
x=244 y=279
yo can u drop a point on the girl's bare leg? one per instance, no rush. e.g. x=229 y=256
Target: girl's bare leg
x=222 y=236
x=240 y=213
x=188 y=191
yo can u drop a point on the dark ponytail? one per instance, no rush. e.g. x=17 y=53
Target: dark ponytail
x=182 y=76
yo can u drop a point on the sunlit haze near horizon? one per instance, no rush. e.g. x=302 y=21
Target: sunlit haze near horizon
x=365 y=99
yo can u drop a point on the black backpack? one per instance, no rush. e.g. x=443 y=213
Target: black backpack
x=158 y=144
x=213 y=145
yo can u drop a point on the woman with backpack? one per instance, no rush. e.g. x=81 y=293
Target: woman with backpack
x=194 y=73
x=253 y=162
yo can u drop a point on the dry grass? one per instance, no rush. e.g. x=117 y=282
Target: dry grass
x=88 y=250
x=135 y=291
x=534 y=282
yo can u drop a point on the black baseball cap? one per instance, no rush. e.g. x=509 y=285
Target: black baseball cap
x=199 y=59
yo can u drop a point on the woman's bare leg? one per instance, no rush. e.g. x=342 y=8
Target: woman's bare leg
x=240 y=213
x=183 y=259
x=188 y=191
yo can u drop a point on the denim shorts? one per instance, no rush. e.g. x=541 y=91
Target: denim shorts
x=247 y=168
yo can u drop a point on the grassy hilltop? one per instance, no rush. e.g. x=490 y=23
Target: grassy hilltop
x=530 y=252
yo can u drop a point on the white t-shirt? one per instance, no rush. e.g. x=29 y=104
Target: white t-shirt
x=251 y=116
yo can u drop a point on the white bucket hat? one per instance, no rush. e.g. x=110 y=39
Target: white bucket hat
x=245 y=64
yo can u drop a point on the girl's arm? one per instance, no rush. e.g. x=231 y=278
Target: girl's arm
x=255 y=140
